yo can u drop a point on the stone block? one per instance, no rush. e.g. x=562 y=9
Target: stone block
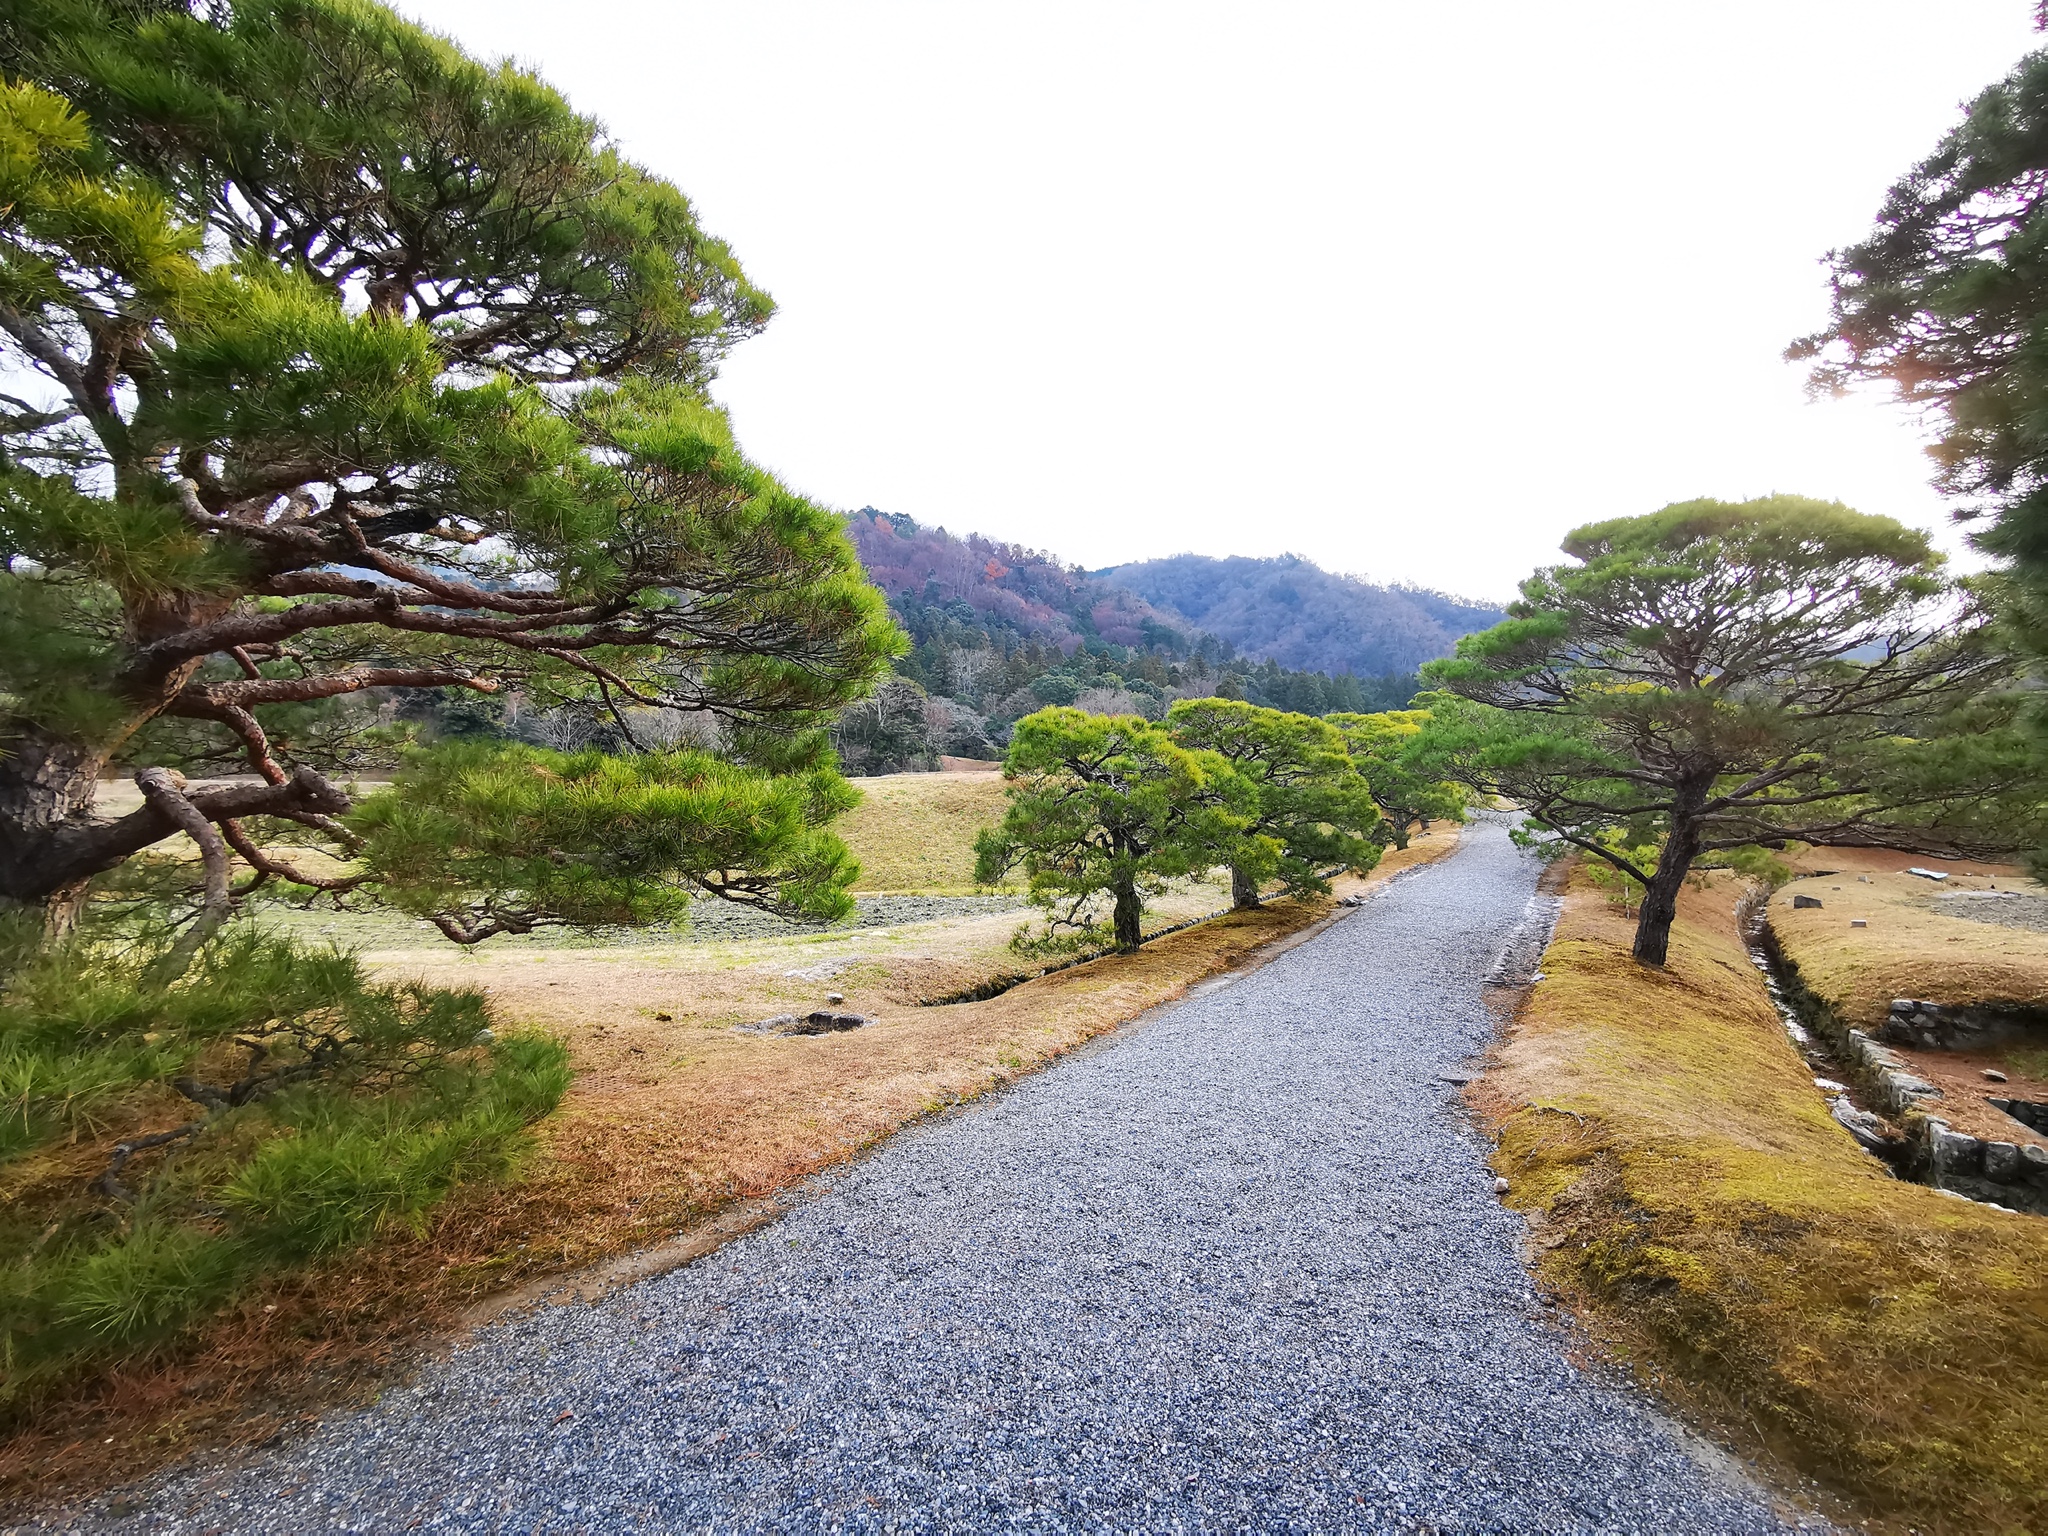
x=1907 y=1086
x=1953 y=1151
x=2001 y=1161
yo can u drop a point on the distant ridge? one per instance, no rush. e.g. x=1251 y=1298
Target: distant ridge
x=1290 y=610
x=1033 y=594
x=998 y=631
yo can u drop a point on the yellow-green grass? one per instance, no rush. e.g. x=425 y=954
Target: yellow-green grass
x=1687 y=1185
x=915 y=831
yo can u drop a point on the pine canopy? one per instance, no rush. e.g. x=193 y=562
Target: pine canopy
x=337 y=361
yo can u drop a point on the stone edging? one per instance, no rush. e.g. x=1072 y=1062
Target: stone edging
x=1947 y=1151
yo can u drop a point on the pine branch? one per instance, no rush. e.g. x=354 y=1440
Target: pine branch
x=47 y=350
x=268 y=866
x=304 y=690
x=109 y=1183
x=73 y=851
x=165 y=792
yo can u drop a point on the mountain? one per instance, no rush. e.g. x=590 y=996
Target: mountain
x=1294 y=612
x=998 y=631
x=1007 y=587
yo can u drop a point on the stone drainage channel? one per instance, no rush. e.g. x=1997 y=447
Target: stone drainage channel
x=1908 y=1138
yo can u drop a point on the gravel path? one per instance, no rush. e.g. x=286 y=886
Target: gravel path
x=1242 y=1269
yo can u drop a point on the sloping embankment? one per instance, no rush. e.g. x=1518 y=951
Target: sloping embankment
x=1687 y=1184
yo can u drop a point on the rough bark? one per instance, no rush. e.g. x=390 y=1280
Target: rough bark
x=49 y=837
x=1244 y=890
x=45 y=782
x=45 y=857
x=1660 y=894
x=1129 y=916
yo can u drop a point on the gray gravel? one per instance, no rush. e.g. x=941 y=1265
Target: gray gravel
x=2008 y=909
x=1242 y=1269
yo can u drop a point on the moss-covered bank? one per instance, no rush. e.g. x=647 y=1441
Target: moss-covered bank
x=1688 y=1186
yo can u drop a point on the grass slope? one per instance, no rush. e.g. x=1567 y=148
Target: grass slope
x=1920 y=942
x=915 y=831
x=1685 y=1182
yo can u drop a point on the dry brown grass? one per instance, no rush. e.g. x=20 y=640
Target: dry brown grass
x=673 y=1123
x=1686 y=1183
x=1916 y=946
x=1913 y=947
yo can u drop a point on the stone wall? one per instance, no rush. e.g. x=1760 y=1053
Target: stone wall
x=1931 y=1026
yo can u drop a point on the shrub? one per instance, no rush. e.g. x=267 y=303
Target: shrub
x=168 y=1141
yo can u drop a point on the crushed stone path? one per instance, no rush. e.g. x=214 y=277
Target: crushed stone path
x=1242 y=1269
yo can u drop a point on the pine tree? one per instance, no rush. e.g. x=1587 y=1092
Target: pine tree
x=1719 y=675
x=362 y=366
x=1311 y=802
x=1111 y=805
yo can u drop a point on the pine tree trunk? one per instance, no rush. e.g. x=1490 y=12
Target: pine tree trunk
x=1129 y=917
x=1244 y=890
x=48 y=780
x=1660 y=896
x=45 y=781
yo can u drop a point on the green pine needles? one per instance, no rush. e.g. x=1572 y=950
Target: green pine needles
x=483 y=838
x=1726 y=676
x=343 y=371
x=1312 y=809
x=352 y=369
x=1111 y=805
x=272 y=1105
x=1109 y=808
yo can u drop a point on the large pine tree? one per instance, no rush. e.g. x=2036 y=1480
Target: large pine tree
x=336 y=361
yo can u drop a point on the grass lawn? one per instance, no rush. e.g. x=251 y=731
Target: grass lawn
x=674 y=1123
x=1688 y=1189
x=1954 y=942
x=1951 y=942
x=915 y=831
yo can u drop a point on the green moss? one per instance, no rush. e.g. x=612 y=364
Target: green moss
x=1874 y=1334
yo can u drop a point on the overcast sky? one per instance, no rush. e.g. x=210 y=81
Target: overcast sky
x=1410 y=290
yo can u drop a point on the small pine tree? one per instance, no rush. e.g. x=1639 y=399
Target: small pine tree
x=1111 y=805
x=1311 y=800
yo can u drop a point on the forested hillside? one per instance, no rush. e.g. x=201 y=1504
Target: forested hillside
x=1009 y=588
x=999 y=631
x=1294 y=612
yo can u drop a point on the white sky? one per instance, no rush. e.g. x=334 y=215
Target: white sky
x=1409 y=289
